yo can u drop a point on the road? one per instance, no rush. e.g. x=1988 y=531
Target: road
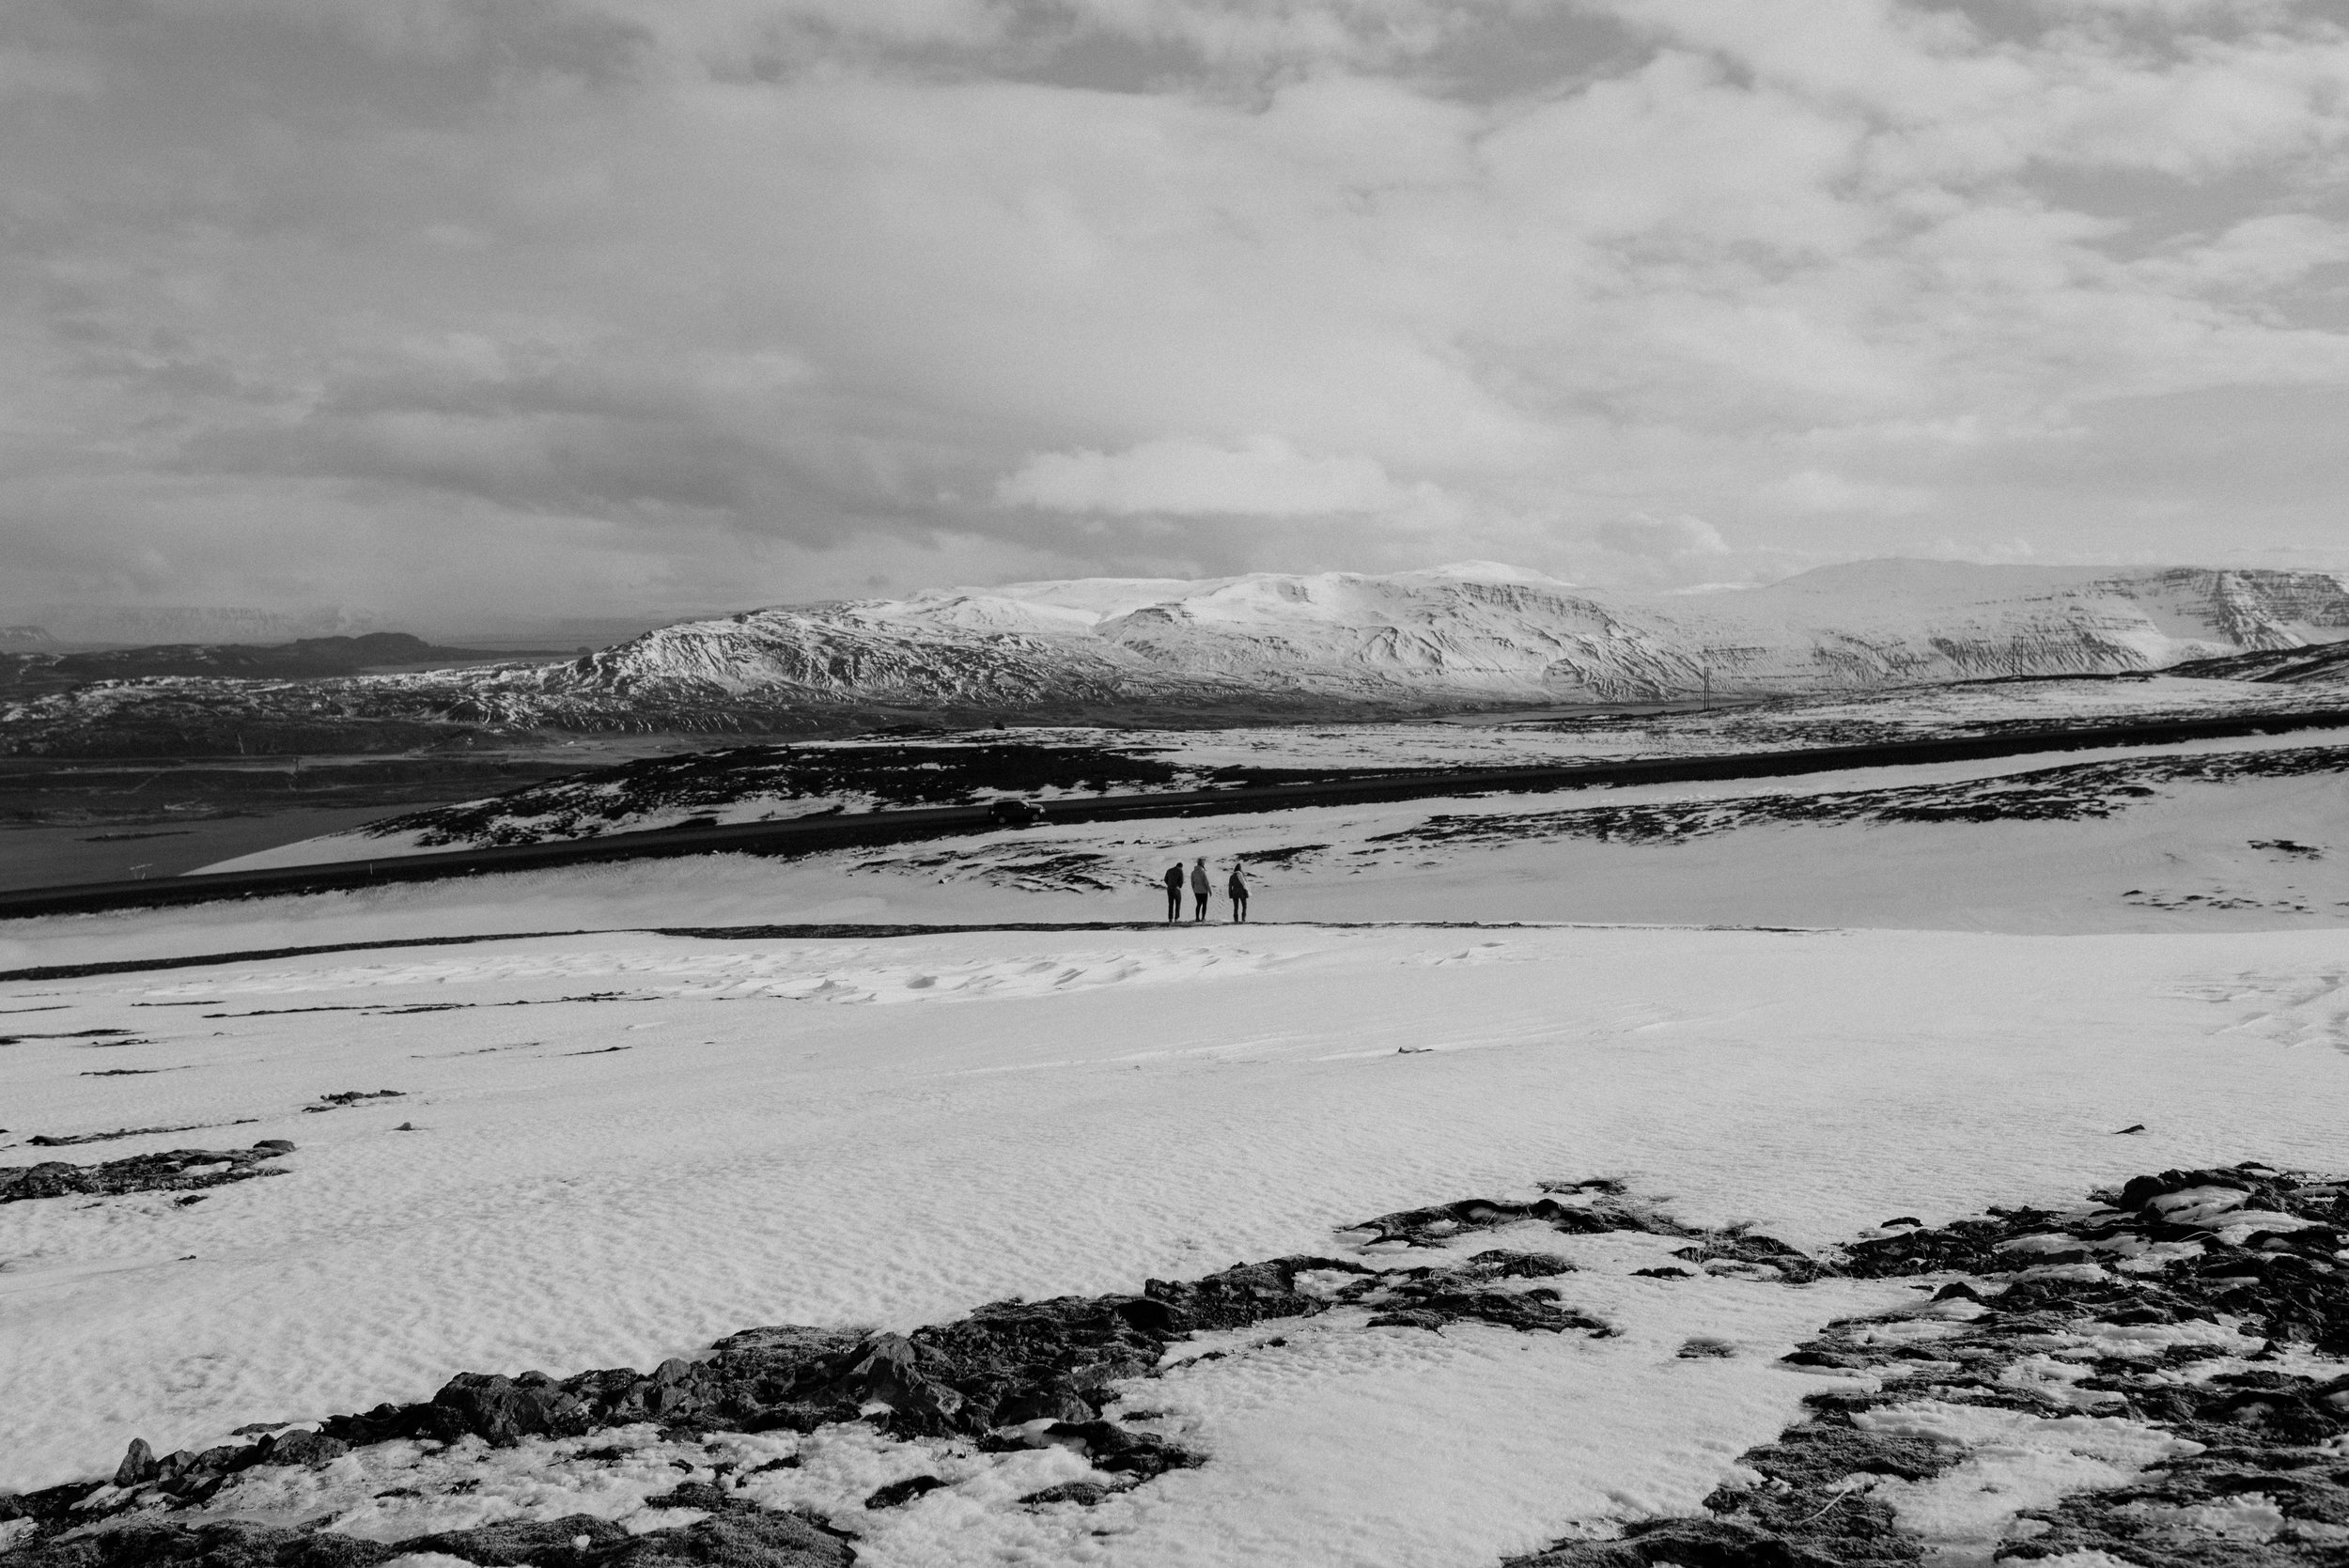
x=810 y=835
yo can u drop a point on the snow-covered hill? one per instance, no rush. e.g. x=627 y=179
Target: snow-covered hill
x=1472 y=632
x=1257 y=646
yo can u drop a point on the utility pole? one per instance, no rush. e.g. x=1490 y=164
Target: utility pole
x=1705 y=672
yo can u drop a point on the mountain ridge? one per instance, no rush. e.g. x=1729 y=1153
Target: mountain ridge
x=1482 y=632
x=1263 y=645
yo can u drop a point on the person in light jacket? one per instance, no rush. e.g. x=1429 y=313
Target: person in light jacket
x=1237 y=888
x=1173 y=880
x=1200 y=889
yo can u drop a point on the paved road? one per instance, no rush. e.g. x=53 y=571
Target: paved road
x=809 y=835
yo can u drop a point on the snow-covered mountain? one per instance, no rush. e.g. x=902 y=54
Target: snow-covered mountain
x=1260 y=646
x=1473 y=633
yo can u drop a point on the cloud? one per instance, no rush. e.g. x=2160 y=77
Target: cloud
x=1661 y=538
x=30 y=71
x=659 y=285
x=1991 y=552
x=2254 y=257
x=1264 y=477
x=1813 y=490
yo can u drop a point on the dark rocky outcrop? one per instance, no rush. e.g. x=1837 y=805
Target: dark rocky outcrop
x=898 y=1493
x=68 y=1139
x=174 y=1171
x=2073 y=792
x=353 y=1096
x=1591 y=1207
x=737 y=1538
x=1018 y=1374
x=1007 y=1363
x=1083 y=1494
x=1756 y=1252
x=1011 y=1375
x=2265 y=1433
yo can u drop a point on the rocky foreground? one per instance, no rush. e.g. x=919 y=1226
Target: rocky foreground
x=2181 y=1343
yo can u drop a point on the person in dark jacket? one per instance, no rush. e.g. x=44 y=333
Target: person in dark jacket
x=1174 y=892
x=1237 y=888
x=1200 y=889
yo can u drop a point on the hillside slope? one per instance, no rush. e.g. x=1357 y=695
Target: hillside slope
x=1262 y=645
x=1474 y=632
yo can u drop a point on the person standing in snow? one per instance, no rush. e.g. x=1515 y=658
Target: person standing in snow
x=1200 y=889
x=1237 y=891
x=1174 y=892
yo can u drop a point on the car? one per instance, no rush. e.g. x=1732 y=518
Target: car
x=1013 y=813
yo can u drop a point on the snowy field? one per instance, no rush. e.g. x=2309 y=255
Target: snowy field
x=614 y=1147
x=2196 y=836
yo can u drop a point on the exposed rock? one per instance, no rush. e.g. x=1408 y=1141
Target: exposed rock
x=2072 y=792
x=1441 y=1224
x=1811 y=1511
x=2195 y=1249
x=66 y=1142
x=993 y=1376
x=898 y=1493
x=1756 y=1252
x=741 y=1539
x=1500 y=1263
x=144 y=1543
x=1112 y=1449
x=313 y=1448
x=506 y=1410
x=352 y=1096
x=138 y=1465
x=737 y=1539
x=1084 y=1494
x=2269 y=1483
x=1241 y=1295
x=1437 y=1306
x=571 y=1539
x=174 y=1171
x=2160 y=1522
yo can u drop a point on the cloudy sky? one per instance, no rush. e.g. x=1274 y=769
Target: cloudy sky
x=465 y=310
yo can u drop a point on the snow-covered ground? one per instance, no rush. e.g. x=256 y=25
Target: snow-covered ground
x=895 y=1131
x=2209 y=834
x=620 y=1144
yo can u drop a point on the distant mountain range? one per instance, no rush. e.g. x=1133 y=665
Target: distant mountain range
x=87 y=625
x=1475 y=633
x=305 y=658
x=1261 y=645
